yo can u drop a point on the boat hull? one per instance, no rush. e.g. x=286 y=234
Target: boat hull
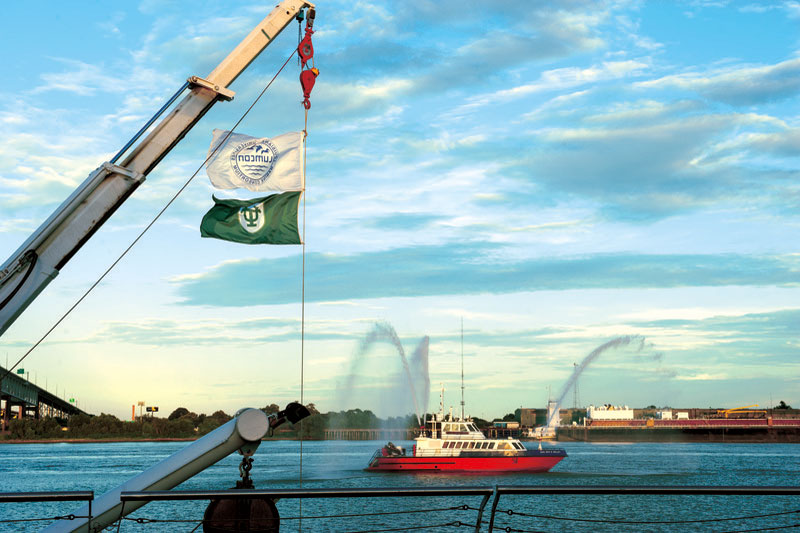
x=521 y=463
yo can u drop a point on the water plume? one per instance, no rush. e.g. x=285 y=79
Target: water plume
x=419 y=365
x=625 y=340
x=416 y=379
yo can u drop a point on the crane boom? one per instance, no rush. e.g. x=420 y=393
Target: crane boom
x=40 y=258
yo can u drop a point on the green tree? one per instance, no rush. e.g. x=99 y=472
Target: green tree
x=480 y=423
x=220 y=416
x=271 y=408
x=783 y=405
x=312 y=426
x=177 y=413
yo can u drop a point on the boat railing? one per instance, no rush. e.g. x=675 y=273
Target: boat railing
x=434 y=452
x=481 y=517
x=375 y=455
x=47 y=496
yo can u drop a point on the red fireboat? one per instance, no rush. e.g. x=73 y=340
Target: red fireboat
x=457 y=445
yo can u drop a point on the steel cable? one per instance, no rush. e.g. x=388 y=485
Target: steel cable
x=410 y=528
x=66 y=517
x=146 y=520
x=384 y=513
x=511 y=512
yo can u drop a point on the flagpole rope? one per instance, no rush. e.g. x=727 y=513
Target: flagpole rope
x=152 y=222
x=303 y=312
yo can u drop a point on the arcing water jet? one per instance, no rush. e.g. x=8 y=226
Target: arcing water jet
x=384 y=332
x=594 y=354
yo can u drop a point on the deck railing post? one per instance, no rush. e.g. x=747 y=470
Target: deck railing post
x=496 y=496
x=480 y=513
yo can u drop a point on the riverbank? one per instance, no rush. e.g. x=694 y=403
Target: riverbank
x=89 y=441
x=123 y=439
x=750 y=435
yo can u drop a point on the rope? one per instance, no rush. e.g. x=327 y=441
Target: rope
x=302 y=281
x=303 y=313
x=152 y=222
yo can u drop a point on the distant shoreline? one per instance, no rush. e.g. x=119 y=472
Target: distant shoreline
x=86 y=441
x=117 y=439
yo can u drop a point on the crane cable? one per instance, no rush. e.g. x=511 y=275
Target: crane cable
x=150 y=224
x=305 y=52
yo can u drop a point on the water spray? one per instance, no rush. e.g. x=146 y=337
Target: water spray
x=384 y=332
x=594 y=354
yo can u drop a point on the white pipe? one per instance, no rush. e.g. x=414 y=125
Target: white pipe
x=245 y=430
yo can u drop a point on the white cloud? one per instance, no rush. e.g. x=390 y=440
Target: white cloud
x=703 y=377
x=561 y=79
x=737 y=84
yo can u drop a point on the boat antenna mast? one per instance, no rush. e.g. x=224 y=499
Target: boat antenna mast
x=462 y=369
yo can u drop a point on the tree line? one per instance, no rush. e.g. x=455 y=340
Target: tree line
x=182 y=423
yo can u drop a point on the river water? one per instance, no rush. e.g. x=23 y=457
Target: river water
x=336 y=464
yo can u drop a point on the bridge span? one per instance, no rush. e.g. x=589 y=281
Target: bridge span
x=19 y=398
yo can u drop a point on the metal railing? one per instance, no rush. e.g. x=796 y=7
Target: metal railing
x=48 y=496
x=487 y=492
x=495 y=493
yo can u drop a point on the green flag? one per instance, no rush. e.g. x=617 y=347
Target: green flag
x=268 y=220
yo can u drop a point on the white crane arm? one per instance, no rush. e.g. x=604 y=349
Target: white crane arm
x=28 y=271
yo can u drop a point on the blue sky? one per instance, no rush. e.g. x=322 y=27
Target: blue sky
x=557 y=175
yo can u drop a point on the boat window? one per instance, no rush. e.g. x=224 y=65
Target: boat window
x=471 y=444
x=517 y=445
x=458 y=444
x=484 y=445
x=447 y=427
x=491 y=445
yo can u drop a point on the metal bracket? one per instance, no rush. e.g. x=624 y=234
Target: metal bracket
x=222 y=92
x=132 y=175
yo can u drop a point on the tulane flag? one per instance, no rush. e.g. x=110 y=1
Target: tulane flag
x=268 y=220
x=254 y=164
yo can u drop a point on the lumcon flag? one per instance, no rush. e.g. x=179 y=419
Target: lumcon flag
x=256 y=164
x=268 y=220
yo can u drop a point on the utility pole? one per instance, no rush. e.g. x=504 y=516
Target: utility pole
x=575 y=398
x=462 y=368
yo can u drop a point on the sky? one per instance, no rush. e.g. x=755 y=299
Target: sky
x=553 y=175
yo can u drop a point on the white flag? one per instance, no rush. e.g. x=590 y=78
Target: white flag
x=257 y=164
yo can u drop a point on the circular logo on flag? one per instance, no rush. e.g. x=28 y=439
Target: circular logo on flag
x=252 y=217
x=254 y=160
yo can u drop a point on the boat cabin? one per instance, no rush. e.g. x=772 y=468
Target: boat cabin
x=461 y=430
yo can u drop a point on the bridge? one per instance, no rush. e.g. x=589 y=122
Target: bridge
x=22 y=399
